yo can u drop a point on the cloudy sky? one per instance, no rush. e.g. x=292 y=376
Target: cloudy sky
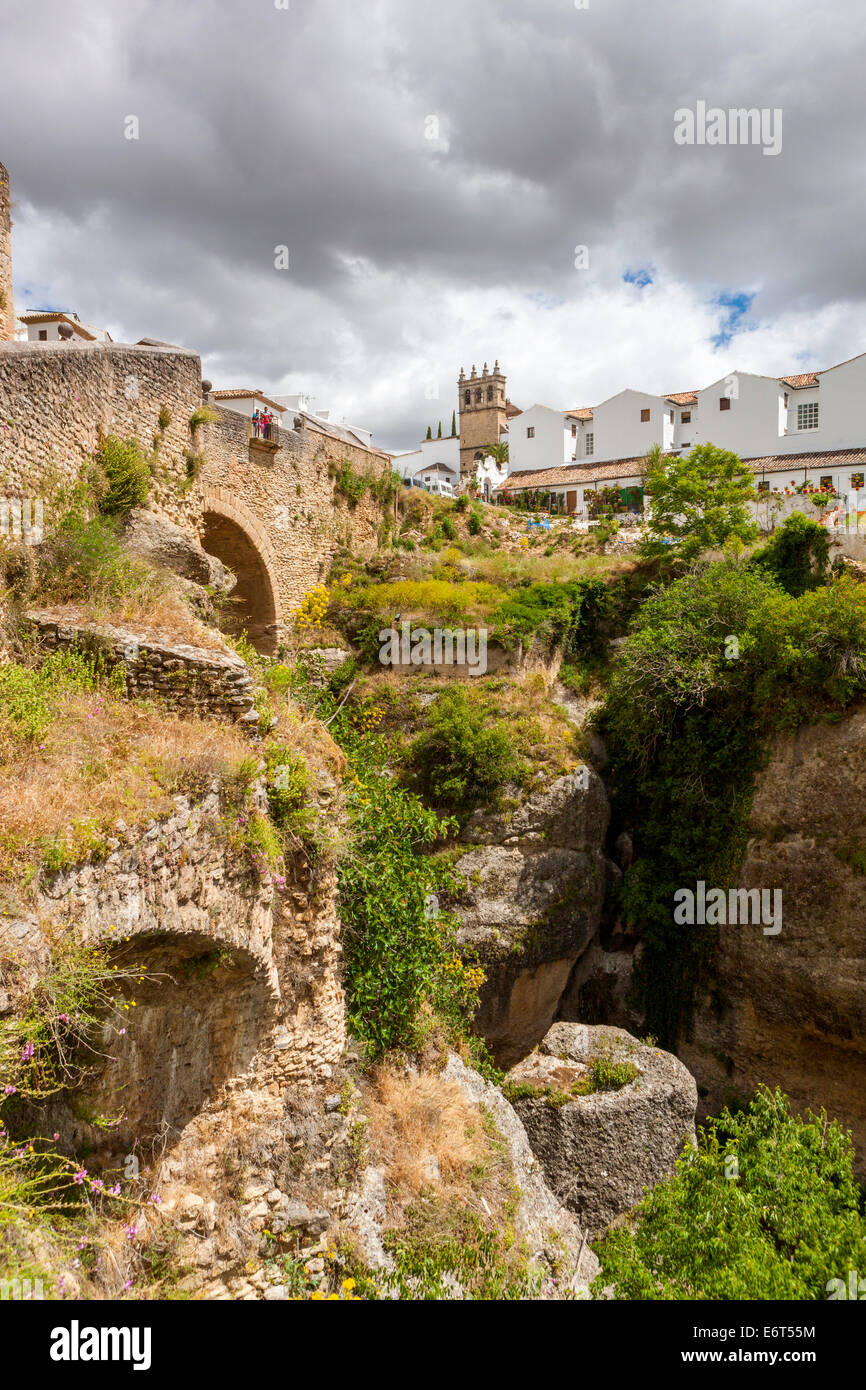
x=432 y=167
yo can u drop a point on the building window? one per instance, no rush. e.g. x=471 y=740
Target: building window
x=530 y=432
x=478 y=397
x=43 y=335
x=724 y=403
x=807 y=416
x=764 y=486
x=467 y=399
x=686 y=417
x=590 y=445
x=827 y=483
x=574 y=431
x=644 y=416
x=490 y=393
x=856 y=481
x=673 y=416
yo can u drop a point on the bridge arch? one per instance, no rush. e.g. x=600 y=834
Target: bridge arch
x=228 y=531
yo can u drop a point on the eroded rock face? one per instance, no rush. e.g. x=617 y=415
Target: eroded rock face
x=602 y=1151
x=790 y=1009
x=154 y=538
x=535 y=887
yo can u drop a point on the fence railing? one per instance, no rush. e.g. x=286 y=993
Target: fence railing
x=264 y=429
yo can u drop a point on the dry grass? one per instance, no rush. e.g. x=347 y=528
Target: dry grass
x=428 y=1135
x=101 y=760
x=165 y=619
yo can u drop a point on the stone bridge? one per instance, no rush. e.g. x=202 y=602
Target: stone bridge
x=270 y=510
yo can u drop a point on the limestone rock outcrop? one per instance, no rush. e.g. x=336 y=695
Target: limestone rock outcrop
x=153 y=537
x=789 y=1009
x=535 y=883
x=601 y=1151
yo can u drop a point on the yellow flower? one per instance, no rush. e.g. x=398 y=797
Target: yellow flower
x=348 y=1285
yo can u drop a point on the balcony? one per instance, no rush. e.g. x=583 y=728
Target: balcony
x=264 y=435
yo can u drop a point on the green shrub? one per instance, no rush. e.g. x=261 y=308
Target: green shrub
x=449 y=531
x=126 y=475
x=461 y=503
x=474 y=523
x=399 y=958
x=565 y=615
x=350 y=484
x=714 y=665
x=798 y=554
x=460 y=760
x=766 y=1208
x=202 y=415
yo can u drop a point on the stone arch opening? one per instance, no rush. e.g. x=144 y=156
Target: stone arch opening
x=202 y=1010
x=252 y=606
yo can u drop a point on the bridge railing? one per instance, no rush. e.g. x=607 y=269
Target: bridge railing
x=260 y=429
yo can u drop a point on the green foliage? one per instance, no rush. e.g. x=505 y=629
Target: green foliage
x=687 y=717
x=608 y=1075
x=437 y=1247
x=350 y=484
x=565 y=615
x=82 y=560
x=125 y=475
x=202 y=415
x=474 y=522
x=29 y=697
x=767 y=1208
x=56 y=1040
x=699 y=500
x=449 y=530
x=797 y=555
x=461 y=502
x=398 y=956
x=460 y=759
x=289 y=790
x=164 y=418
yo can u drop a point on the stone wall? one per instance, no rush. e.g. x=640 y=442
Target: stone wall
x=188 y=679
x=273 y=509
x=7 y=313
x=238 y=984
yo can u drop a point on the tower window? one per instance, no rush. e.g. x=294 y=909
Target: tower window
x=724 y=403
x=478 y=397
x=490 y=393
x=644 y=416
x=467 y=398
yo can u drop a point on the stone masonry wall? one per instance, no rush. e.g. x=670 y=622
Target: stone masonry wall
x=58 y=399
x=239 y=973
x=188 y=679
x=7 y=313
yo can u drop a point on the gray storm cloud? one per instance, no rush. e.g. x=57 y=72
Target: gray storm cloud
x=308 y=127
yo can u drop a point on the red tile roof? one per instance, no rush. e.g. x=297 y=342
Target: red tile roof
x=583 y=412
x=682 y=397
x=577 y=473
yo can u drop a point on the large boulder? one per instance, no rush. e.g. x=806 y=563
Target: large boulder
x=601 y=1150
x=154 y=538
x=535 y=884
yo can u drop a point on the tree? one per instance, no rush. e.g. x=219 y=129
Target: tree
x=454 y=424
x=429 y=431
x=797 y=555
x=439 y=435
x=698 y=501
x=497 y=452
x=766 y=1208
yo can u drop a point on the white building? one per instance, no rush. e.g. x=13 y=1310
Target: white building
x=807 y=427
x=303 y=405
x=44 y=325
x=435 y=458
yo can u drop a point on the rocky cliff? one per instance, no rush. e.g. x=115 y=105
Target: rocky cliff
x=790 y=1009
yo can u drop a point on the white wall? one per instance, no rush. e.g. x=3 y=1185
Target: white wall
x=551 y=446
x=618 y=430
